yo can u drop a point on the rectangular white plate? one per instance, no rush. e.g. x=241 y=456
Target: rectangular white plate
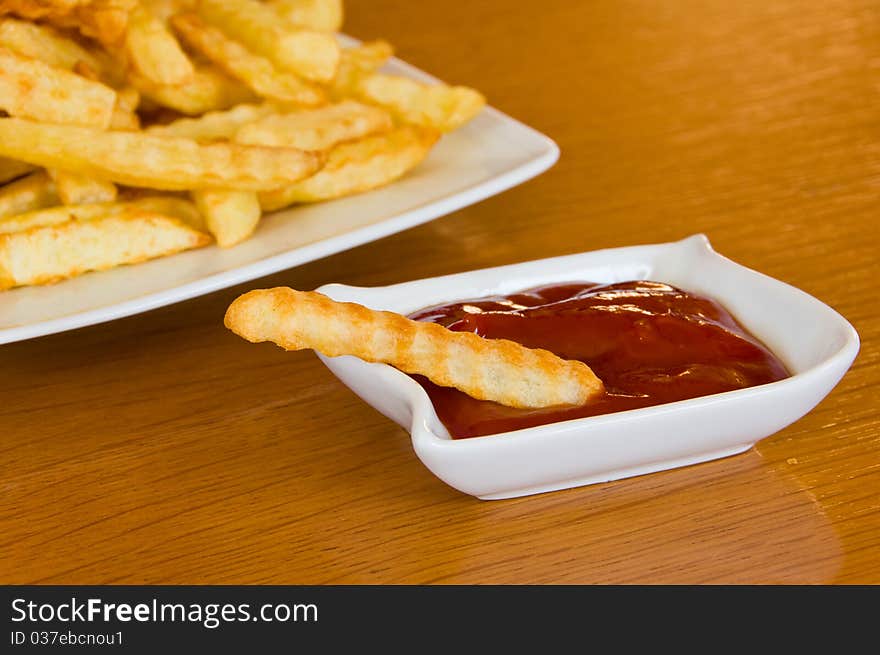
x=487 y=156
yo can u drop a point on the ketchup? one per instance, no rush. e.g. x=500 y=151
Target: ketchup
x=650 y=343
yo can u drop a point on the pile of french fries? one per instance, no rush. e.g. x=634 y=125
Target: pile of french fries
x=135 y=129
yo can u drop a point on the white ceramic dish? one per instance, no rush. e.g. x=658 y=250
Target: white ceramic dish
x=487 y=156
x=815 y=342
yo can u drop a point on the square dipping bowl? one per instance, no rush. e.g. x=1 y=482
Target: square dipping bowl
x=816 y=344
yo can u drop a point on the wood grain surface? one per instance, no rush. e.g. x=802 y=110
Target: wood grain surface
x=163 y=449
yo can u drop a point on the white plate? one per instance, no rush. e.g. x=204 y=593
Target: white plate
x=815 y=342
x=487 y=156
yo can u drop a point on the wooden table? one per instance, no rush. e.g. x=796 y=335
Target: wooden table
x=163 y=449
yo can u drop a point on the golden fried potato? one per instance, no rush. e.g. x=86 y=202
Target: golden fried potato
x=54 y=214
x=45 y=43
x=487 y=369
x=215 y=125
x=165 y=9
x=125 y=115
x=255 y=71
x=356 y=63
x=75 y=189
x=307 y=53
x=58 y=214
x=124 y=119
x=104 y=20
x=42 y=255
x=154 y=52
x=231 y=216
x=34 y=191
x=319 y=15
x=174 y=206
x=209 y=90
x=32 y=89
x=438 y=106
x=11 y=169
x=316 y=129
x=138 y=159
x=357 y=166
x=207 y=112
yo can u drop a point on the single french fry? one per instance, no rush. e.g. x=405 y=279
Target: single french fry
x=165 y=9
x=31 y=89
x=257 y=72
x=42 y=255
x=215 y=125
x=357 y=62
x=11 y=169
x=357 y=166
x=56 y=215
x=45 y=43
x=231 y=216
x=153 y=50
x=125 y=111
x=319 y=15
x=75 y=189
x=438 y=106
x=310 y=54
x=176 y=207
x=267 y=95
x=139 y=159
x=487 y=369
x=208 y=90
x=124 y=118
x=35 y=191
x=104 y=20
x=128 y=98
x=316 y=129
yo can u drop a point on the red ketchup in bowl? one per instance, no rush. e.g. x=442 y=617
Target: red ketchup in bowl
x=650 y=343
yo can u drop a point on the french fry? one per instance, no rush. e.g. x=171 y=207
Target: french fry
x=357 y=166
x=32 y=89
x=207 y=112
x=128 y=98
x=27 y=194
x=74 y=189
x=231 y=216
x=307 y=53
x=56 y=215
x=153 y=50
x=209 y=90
x=257 y=72
x=11 y=169
x=45 y=43
x=316 y=129
x=438 y=106
x=124 y=118
x=487 y=369
x=42 y=255
x=124 y=111
x=174 y=206
x=215 y=125
x=165 y=9
x=356 y=63
x=178 y=208
x=104 y=20
x=138 y=159
x=319 y=15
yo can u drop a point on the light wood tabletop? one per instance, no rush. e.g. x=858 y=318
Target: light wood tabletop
x=161 y=448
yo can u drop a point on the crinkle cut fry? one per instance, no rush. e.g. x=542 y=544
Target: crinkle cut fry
x=487 y=369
